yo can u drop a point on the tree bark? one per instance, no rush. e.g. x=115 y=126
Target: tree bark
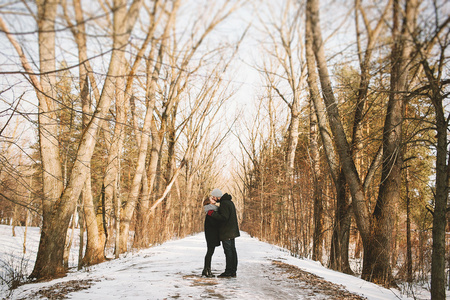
x=438 y=280
x=409 y=270
x=48 y=140
x=49 y=261
x=376 y=266
x=440 y=205
x=375 y=229
x=96 y=235
x=48 y=124
x=95 y=245
x=317 y=179
x=152 y=79
x=340 y=238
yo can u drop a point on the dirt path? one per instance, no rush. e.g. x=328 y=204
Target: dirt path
x=275 y=280
x=171 y=271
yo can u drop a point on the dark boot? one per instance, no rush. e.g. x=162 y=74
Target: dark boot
x=207 y=273
x=227 y=275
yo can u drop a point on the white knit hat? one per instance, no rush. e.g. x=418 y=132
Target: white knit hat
x=216 y=193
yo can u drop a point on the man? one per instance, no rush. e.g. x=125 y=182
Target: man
x=228 y=231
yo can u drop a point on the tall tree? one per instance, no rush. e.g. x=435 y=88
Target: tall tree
x=342 y=219
x=377 y=256
x=48 y=127
x=49 y=261
x=436 y=85
x=285 y=73
x=152 y=81
x=375 y=228
x=95 y=234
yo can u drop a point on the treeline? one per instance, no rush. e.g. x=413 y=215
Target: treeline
x=123 y=97
x=346 y=156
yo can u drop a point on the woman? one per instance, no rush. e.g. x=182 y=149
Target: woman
x=211 y=234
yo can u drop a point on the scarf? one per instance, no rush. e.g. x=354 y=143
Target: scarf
x=210 y=207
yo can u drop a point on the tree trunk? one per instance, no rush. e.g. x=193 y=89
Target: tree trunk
x=317 y=180
x=292 y=141
x=49 y=261
x=436 y=90
x=95 y=236
x=339 y=243
x=152 y=78
x=48 y=140
x=69 y=242
x=340 y=239
x=375 y=230
x=376 y=266
x=48 y=125
x=81 y=228
x=112 y=170
x=142 y=238
x=409 y=270
x=440 y=208
x=442 y=183
x=95 y=244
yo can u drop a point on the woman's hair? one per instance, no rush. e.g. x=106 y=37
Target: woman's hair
x=206 y=201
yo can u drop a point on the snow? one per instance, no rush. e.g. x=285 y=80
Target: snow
x=170 y=271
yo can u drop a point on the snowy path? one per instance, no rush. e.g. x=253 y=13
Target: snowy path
x=170 y=271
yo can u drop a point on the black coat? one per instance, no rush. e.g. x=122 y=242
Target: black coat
x=226 y=215
x=212 y=232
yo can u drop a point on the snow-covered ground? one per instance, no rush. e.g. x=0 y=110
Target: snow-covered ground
x=170 y=271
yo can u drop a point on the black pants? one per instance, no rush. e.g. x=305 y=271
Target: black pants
x=230 y=256
x=208 y=257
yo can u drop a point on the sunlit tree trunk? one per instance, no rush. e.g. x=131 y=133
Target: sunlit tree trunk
x=95 y=231
x=409 y=271
x=49 y=262
x=343 y=148
x=339 y=242
x=152 y=78
x=48 y=140
x=95 y=244
x=317 y=179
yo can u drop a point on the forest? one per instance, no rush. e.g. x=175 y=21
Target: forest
x=326 y=120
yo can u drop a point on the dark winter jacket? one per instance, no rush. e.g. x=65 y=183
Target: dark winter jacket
x=228 y=228
x=211 y=232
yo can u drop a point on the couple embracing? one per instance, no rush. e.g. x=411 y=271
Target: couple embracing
x=221 y=225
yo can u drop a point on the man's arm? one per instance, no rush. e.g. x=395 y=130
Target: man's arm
x=223 y=214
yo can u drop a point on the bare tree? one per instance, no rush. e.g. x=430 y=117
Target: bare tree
x=436 y=86
x=58 y=209
x=95 y=234
x=172 y=91
x=375 y=228
x=52 y=172
x=285 y=73
x=152 y=78
x=339 y=243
